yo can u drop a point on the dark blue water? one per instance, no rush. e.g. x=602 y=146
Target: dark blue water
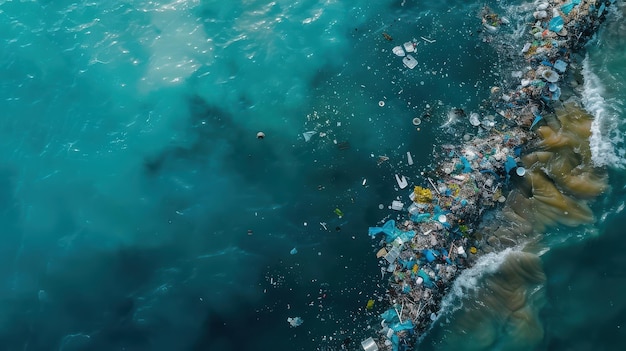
x=140 y=212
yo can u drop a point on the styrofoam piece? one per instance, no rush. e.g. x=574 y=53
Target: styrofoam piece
x=398 y=51
x=409 y=61
x=408 y=46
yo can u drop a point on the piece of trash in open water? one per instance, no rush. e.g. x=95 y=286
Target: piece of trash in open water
x=381 y=103
x=398 y=51
x=409 y=158
x=307 y=135
x=260 y=135
x=408 y=46
x=338 y=212
x=295 y=321
x=293 y=251
x=417 y=121
x=402 y=182
x=396 y=205
x=409 y=61
x=364 y=181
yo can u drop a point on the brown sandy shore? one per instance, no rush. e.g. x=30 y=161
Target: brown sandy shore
x=530 y=170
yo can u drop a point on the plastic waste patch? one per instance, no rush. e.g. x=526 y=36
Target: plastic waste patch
x=556 y=24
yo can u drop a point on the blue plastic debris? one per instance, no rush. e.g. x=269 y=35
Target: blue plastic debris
x=391 y=232
x=509 y=165
x=420 y=217
x=467 y=168
x=556 y=24
x=560 y=66
x=601 y=9
x=429 y=255
x=293 y=251
x=537 y=119
x=390 y=316
x=427 y=281
x=567 y=8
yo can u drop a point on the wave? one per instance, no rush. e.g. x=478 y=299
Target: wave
x=607 y=139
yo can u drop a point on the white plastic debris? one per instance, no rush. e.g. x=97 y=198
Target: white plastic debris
x=526 y=48
x=396 y=205
x=474 y=119
x=550 y=76
x=460 y=250
x=402 y=182
x=409 y=61
x=307 y=135
x=442 y=218
x=295 y=321
x=417 y=121
x=520 y=171
x=408 y=46
x=398 y=51
x=409 y=158
x=369 y=345
x=364 y=182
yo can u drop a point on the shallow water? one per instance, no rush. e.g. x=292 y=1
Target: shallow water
x=140 y=211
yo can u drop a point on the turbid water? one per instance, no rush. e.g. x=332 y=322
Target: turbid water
x=141 y=212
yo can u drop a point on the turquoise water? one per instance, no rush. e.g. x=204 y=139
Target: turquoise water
x=140 y=211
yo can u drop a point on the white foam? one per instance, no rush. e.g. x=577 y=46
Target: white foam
x=469 y=279
x=605 y=128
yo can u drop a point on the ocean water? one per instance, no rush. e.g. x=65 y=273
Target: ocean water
x=139 y=210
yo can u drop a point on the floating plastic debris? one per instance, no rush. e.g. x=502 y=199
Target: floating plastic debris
x=369 y=345
x=381 y=103
x=402 y=182
x=293 y=251
x=417 y=121
x=260 y=135
x=295 y=321
x=409 y=47
x=474 y=119
x=398 y=51
x=338 y=212
x=307 y=135
x=397 y=205
x=409 y=158
x=409 y=61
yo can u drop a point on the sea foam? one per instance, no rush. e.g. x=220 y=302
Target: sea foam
x=606 y=140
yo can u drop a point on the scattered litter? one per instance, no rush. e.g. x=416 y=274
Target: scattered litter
x=369 y=345
x=260 y=135
x=409 y=158
x=295 y=321
x=409 y=61
x=402 y=182
x=381 y=103
x=417 y=121
x=398 y=51
x=293 y=251
x=428 y=40
x=308 y=135
x=338 y=212
x=409 y=47
x=397 y=205
x=364 y=182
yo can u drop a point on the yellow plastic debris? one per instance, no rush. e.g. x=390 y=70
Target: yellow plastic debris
x=422 y=195
x=473 y=250
x=370 y=304
x=415 y=268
